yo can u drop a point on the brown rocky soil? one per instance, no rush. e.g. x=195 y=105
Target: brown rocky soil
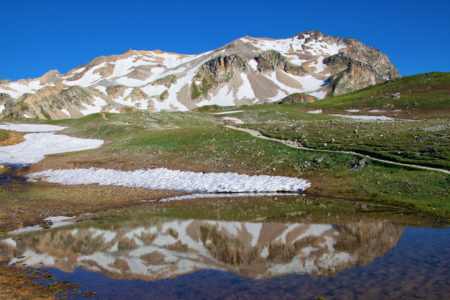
x=13 y=138
x=16 y=283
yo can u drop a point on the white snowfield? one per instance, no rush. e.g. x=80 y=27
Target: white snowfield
x=31 y=127
x=166 y=179
x=37 y=145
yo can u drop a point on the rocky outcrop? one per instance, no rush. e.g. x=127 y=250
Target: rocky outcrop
x=298 y=98
x=359 y=67
x=273 y=60
x=222 y=66
x=215 y=72
x=355 y=76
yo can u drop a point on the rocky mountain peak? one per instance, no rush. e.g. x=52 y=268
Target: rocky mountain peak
x=245 y=71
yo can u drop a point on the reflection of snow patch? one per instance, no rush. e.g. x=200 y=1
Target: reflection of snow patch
x=265 y=252
x=220 y=195
x=10 y=241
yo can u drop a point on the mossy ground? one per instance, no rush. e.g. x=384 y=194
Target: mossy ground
x=423 y=142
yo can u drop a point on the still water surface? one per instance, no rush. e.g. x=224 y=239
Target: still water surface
x=197 y=259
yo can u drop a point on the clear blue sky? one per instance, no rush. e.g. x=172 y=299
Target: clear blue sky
x=40 y=35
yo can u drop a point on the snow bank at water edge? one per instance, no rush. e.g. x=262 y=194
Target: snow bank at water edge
x=57 y=221
x=37 y=145
x=234 y=120
x=317 y=111
x=165 y=179
x=228 y=112
x=31 y=127
x=218 y=195
x=369 y=118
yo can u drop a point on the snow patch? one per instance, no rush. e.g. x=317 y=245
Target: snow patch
x=368 y=118
x=245 y=90
x=31 y=127
x=253 y=65
x=65 y=111
x=37 y=145
x=96 y=106
x=165 y=179
x=228 y=112
x=319 y=94
x=317 y=111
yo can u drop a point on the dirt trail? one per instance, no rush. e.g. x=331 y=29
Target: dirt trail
x=297 y=145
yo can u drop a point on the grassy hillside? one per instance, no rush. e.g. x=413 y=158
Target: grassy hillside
x=428 y=91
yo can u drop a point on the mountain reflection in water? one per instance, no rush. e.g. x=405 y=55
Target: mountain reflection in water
x=165 y=249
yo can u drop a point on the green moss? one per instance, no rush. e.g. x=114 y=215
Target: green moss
x=423 y=142
x=195 y=92
x=3 y=135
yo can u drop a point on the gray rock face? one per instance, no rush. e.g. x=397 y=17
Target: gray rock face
x=222 y=66
x=272 y=60
x=359 y=67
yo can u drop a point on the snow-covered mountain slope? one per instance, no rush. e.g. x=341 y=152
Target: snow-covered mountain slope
x=167 y=249
x=245 y=71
